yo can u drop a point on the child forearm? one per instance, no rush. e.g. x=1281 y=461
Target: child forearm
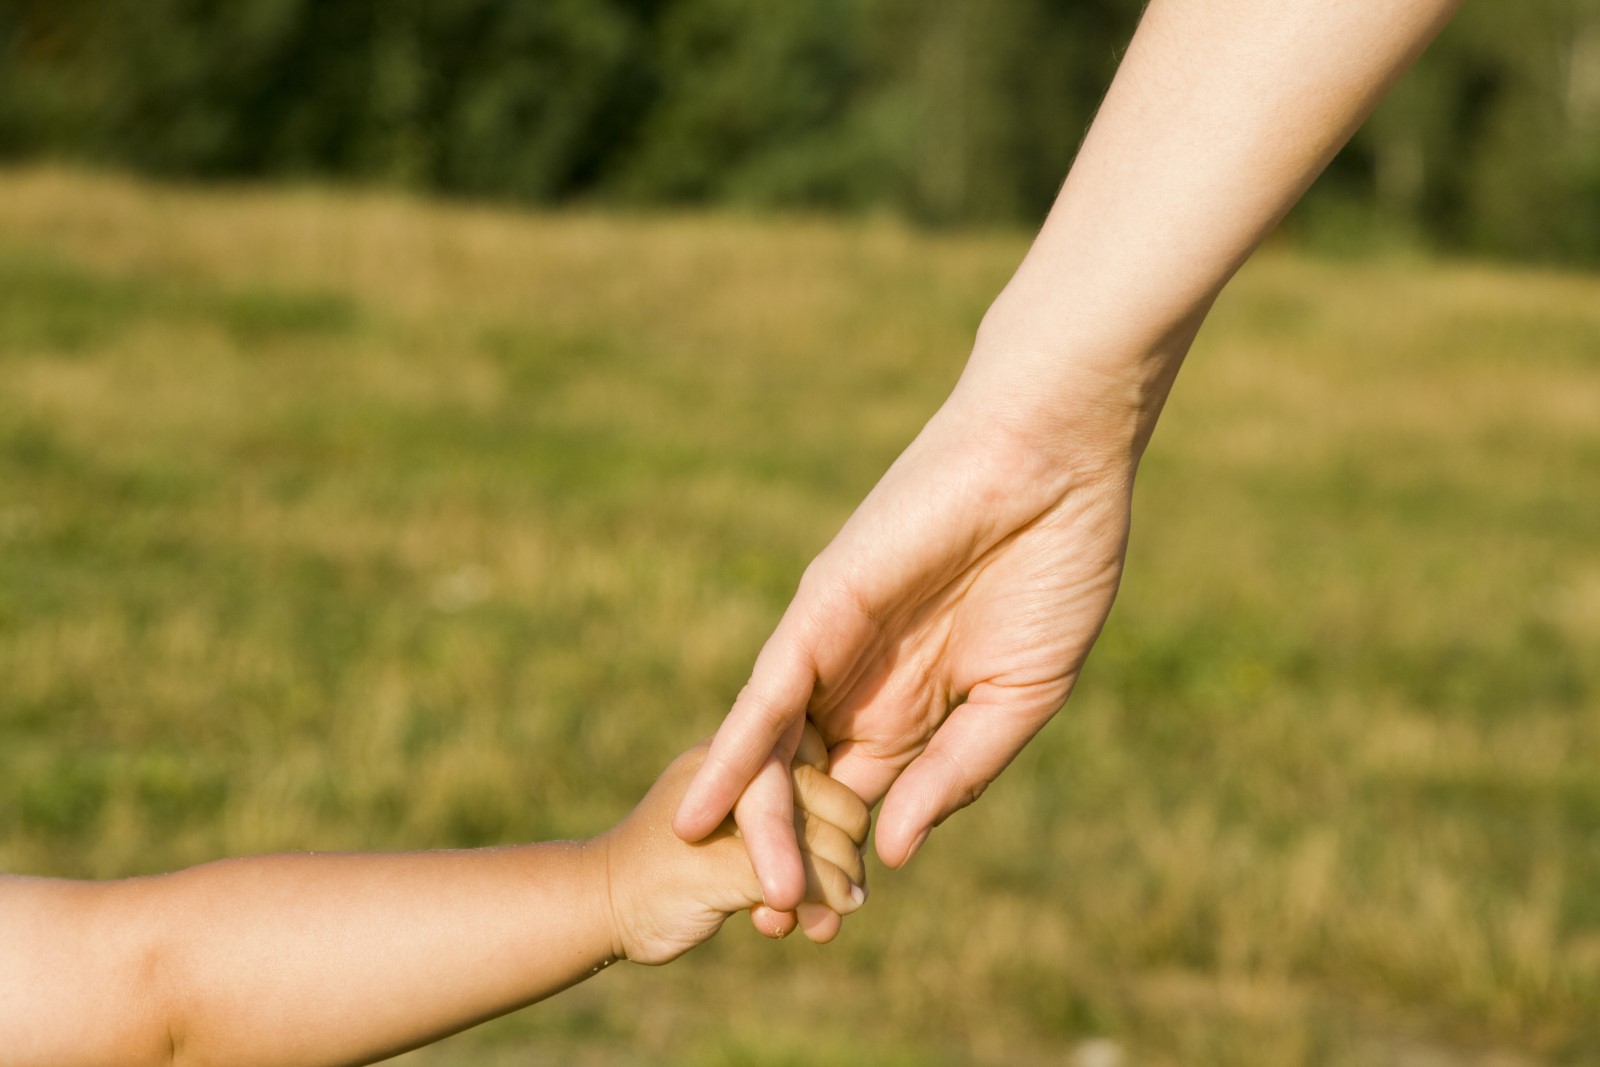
x=319 y=959
x=295 y=959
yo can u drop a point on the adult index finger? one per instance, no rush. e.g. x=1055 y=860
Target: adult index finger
x=763 y=722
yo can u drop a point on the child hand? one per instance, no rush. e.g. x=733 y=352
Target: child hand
x=667 y=896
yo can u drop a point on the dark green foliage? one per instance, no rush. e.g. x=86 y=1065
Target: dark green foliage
x=1492 y=142
x=950 y=112
x=471 y=95
x=754 y=103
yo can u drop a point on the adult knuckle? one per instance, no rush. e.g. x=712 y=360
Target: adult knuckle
x=757 y=703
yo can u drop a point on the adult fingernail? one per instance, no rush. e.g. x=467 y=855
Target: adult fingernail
x=858 y=895
x=917 y=844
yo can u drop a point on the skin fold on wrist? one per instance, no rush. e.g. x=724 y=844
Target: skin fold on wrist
x=595 y=865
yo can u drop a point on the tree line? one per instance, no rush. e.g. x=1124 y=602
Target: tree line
x=947 y=111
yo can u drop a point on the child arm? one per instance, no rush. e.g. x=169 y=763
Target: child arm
x=348 y=958
x=294 y=959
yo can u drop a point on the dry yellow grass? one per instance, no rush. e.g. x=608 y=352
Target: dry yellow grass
x=335 y=520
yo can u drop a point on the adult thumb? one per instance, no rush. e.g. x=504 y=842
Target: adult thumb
x=968 y=752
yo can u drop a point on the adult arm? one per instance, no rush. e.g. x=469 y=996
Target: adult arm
x=948 y=620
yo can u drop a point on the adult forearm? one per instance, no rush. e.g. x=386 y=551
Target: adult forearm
x=313 y=958
x=1222 y=114
x=948 y=620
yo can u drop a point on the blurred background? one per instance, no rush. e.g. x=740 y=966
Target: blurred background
x=414 y=416
x=959 y=111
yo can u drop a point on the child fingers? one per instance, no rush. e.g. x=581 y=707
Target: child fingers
x=774 y=924
x=829 y=886
x=827 y=841
x=739 y=876
x=832 y=801
x=813 y=750
x=819 y=922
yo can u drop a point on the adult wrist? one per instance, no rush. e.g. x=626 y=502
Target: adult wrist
x=1084 y=392
x=1051 y=428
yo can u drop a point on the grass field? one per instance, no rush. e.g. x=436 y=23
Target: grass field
x=346 y=521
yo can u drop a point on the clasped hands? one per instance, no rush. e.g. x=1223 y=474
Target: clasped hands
x=928 y=643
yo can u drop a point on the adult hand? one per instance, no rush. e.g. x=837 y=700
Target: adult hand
x=942 y=627
x=948 y=620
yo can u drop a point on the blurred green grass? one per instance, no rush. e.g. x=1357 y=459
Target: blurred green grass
x=350 y=521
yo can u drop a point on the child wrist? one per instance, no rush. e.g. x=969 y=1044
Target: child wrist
x=595 y=860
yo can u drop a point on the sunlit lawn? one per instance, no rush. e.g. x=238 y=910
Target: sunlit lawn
x=347 y=521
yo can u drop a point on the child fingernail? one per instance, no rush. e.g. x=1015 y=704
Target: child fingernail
x=917 y=844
